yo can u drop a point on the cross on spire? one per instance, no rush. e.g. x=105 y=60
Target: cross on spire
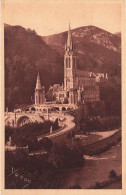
x=69 y=25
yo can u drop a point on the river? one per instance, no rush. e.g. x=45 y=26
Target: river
x=95 y=169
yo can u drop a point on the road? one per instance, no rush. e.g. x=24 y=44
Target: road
x=67 y=125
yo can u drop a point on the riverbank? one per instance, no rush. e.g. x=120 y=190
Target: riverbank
x=109 y=184
x=115 y=185
x=95 y=136
x=102 y=145
x=94 y=170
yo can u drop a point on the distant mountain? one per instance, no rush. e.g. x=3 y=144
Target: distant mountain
x=97 y=49
x=118 y=34
x=6 y=25
x=26 y=52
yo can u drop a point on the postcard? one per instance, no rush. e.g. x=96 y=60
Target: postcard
x=63 y=97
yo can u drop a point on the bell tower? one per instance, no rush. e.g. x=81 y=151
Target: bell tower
x=39 y=92
x=69 y=63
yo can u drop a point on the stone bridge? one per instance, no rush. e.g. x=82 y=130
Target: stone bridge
x=52 y=107
x=35 y=113
x=16 y=119
x=21 y=118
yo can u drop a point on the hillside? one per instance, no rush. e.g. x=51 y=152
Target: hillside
x=26 y=52
x=118 y=34
x=97 y=49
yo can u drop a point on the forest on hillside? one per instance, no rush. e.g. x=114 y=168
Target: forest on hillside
x=26 y=52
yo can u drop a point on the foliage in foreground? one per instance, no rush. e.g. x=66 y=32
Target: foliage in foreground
x=101 y=185
x=42 y=169
x=103 y=124
x=27 y=134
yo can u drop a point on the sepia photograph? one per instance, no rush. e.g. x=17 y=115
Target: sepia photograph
x=62 y=94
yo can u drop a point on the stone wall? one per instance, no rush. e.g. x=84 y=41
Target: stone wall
x=63 y=137
x=102 y=145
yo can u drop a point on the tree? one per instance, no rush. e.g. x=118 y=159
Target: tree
x=112 y=173
x=69 y=136
x=63 y=156
x=110 y=93
x=55 y=125
x=47 y=143
x=8 y=132
x=97 y=185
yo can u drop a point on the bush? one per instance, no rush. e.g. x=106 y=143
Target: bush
x=8 y=132
x=47 y=143
x=110 y=93
x=63 y=156
x=103 y=124
x=112 y=174
x=97 y=185
x=34 y=167
x=27 y=134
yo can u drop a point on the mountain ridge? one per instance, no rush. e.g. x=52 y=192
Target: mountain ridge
x=26 y=53
x=87 y=40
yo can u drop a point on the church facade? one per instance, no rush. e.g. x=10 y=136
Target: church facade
x=79 y=86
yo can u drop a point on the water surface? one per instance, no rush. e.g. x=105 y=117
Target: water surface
x=96 y=168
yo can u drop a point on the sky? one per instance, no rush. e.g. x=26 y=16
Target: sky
x=48 y=17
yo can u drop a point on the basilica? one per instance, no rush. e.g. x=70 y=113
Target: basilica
x=79 y=86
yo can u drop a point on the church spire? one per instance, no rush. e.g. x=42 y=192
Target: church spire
x=38 y=82
x=69 y=44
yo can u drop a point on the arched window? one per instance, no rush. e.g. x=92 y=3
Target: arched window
x=39 y=99
x=71 y=99
x=68 y=62
x=73 y=62
x=74 y=99
x=36 y=99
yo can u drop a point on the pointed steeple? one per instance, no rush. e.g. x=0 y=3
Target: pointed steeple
x=69 y=44
x=38 y=82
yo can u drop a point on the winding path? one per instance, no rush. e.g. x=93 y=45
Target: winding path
x=67 y=125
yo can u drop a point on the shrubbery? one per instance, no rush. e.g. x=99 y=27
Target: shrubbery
x=103 y=124
x=112 y=174
x=36 y=168
x=110 y=93
x=8 y=132
x=113 y=177
x=27 y=134
x=42 y=169
x=63 y=156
